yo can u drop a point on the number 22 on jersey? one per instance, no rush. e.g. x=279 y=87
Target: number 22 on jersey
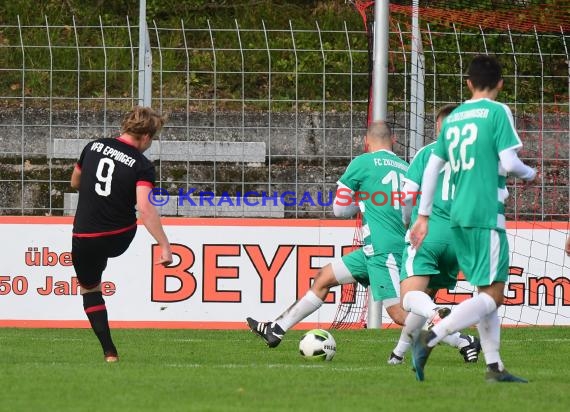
x=460 y=161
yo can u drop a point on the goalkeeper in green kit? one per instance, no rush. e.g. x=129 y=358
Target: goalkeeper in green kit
x=479 y=141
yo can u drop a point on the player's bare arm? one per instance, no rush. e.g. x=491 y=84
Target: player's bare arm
x=151 y=220
x=75 y=177
x=411 y=189
x=568 y=246
x=419 y=231
x=429 y=184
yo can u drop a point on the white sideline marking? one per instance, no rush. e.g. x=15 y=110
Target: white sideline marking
x=273 y=366
x=36 y=338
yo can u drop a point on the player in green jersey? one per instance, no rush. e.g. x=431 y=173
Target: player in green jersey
x=371 y=184
x=479 y=141
x=434 y=266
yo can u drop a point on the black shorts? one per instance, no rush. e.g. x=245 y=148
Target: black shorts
x=90 y=254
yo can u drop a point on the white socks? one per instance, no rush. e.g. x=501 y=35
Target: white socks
x=403 y=345
x=490 y=334
x=455 y=340
x=419 y=303
x=299 y=310
x=467 y=313
x=413 y=324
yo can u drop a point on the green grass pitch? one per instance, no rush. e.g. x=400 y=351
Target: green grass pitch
x=205 y=370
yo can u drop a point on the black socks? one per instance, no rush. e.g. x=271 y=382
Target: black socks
x=96 y=312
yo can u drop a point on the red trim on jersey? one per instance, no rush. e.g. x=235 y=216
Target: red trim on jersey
x=77 y=166
x=89 y=286
x=109 y=233
x=125 y=141
x=145 y=183
x=97 y=308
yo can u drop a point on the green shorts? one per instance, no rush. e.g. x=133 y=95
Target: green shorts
x=381 y=272
x=434 y=259
x=483 y=254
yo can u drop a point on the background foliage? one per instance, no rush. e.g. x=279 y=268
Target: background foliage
x=55 y=68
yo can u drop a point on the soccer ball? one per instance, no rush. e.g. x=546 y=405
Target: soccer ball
x=317 y=344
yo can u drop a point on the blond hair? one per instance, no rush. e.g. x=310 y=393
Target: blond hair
x=141 y=121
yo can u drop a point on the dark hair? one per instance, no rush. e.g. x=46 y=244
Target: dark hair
x=484 y=72
x=142 y=120
x=444 y=111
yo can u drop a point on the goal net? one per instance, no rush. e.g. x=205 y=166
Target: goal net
x=531 y=40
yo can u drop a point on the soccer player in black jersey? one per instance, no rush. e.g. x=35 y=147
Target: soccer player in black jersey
x=112 y=176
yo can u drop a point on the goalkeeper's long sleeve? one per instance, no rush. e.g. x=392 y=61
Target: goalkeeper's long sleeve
x=344 y=204
x=512 y=164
